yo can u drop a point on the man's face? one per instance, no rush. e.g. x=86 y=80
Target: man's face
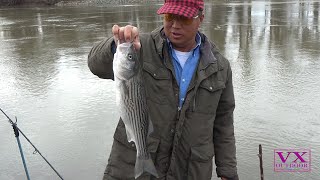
x=181 y=31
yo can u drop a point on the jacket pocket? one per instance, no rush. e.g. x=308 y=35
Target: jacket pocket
x=212 y=86
x=200 y=162
x=208 y=96
x=152 y=145
x=158 y=83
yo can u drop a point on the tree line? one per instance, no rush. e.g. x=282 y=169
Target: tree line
x=21 y=2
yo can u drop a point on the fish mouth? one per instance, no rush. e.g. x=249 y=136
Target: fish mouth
x=125 y=48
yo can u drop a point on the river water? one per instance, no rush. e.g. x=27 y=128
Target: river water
x=70 y=114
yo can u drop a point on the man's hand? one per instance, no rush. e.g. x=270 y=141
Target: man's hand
x=127 y=33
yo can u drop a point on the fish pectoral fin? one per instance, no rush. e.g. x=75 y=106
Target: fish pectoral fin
x=124 y=90
x=129 y=136
x=145 y=165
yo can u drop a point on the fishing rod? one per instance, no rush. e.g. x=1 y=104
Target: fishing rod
x=16 y=132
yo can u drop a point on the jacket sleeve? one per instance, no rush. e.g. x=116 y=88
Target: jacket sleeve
x=100 y=59
x=223 y=132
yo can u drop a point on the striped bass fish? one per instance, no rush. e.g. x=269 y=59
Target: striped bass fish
x=131 y=100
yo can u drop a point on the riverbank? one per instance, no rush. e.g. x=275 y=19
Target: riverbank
x=28 y=2
x=72 y=2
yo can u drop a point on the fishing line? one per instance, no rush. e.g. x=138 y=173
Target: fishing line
x=36 y=151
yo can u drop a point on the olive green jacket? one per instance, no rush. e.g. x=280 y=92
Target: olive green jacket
x=183 y=142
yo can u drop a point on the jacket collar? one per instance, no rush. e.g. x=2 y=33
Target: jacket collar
x=159 y=39
x=207 y=49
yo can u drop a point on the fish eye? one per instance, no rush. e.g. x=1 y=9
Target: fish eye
x=129 y=56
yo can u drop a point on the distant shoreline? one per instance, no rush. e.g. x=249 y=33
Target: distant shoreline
x=13 y=3
x=16 y=3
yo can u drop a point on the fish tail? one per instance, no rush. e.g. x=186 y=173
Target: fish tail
x=145 y=165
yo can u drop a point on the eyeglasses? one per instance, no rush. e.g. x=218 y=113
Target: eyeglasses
x=182 y=19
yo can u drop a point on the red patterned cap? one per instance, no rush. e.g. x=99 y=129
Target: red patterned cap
x=187 y=8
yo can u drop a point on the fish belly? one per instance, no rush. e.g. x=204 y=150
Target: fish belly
x=134 y=113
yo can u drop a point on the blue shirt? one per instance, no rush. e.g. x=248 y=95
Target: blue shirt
x=184 y=75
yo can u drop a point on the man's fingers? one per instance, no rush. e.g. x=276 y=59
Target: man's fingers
x=136 y=39
x=136 y=43
x=121 y=34
x=115 y=32
x=135 y=33
x=127 y=33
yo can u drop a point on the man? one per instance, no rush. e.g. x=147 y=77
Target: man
x=189 y=95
